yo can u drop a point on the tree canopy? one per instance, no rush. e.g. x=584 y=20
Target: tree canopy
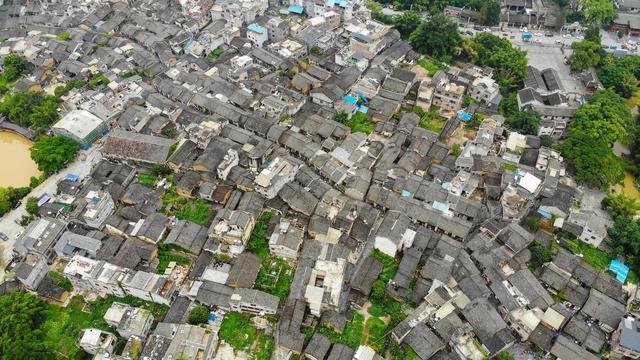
x=407 y=23
x=30 y=109
x=600 y=12
x=509 y=63
x=199 y=315
x=526 y=122
x=621 y=205
x=593 y=161
x=21 y=315
x=51 y=153
x=14 y=66
x=438 y=37
x=586 y=54
x=606 y=117
x=618 y=78
x=490 y=13
x=625 y=234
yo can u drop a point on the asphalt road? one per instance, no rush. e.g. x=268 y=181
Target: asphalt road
x=8 y=223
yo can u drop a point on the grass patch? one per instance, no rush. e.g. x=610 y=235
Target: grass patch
x=147 y=179
x=275 y=277
x=60 y=280
x=264 y=347
x=258 y=241
x=61 y=326
x=432 y=121
x=431 y=66
x=376 y=310
x=509 y=167
x=236 y=329
x=199 y=212
x=359 y=122
x=352 y=335
x=65 y=36
x=165 y=257
x=215 y=53
x=375 y=330
x=390 y=265
x=590 y=254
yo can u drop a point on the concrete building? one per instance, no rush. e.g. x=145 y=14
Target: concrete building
x=273 y=178
x=95 y=276
x=81 y=126
x=40 y=237
x=148 y=286
x=31 y=271
x=285 y=240
x=129 y=321
x=446 y=95
x=625 y=341
x=394 y=234
x=484 y=89
x=253 y=301
x=257 y=34
x=277 y=29
x=100 y=206
x=96 y=341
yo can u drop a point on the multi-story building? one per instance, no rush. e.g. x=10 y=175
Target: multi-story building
x=257 y=34
x=277 y=29
x=128 y=320
x=95 y=276
x=446 y=95
x=96 y=341
x=272 y=178
x=100 y=206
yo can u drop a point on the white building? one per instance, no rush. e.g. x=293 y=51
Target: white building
x=96 y=341
x=81 y=126
x=394 y=233
x=484 y=89
x=95 y=276
x=128 y=320
x=273 y=178
x=257 y=34
x=100 y=206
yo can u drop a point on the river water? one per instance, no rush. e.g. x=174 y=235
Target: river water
x=16 y=166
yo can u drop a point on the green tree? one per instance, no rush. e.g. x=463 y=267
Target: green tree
x=621 y=80
x=546 y=140
x=600 y=12
x=14 y=66
x=629 y=62
x=21 y=336
x=620 y=205
x=199 y=315
x=539 y=254
x=593 y=161
x=64 y=36
x=437 y=36
x=593 y=34
x=341 y=116
x=51 y=153
x=606 y=118
x=509 y=63
x=620 y=34
x=526 y=122
x=505 y=355
x=625 y=235
x=585 y=54
x=32 y=205
x=490 y=12
x=407 y=23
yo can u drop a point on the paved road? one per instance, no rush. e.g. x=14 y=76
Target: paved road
x=81 y=167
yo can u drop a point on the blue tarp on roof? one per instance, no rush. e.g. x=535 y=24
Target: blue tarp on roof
x=256 y=28
x=350 y=99
x=364 y=98
x=405 y=193
x=545 y=214
x=362 y=108
x=72 y=177
x=527 y=35
x=620 y=269
x=463 y=116
x=296 y=9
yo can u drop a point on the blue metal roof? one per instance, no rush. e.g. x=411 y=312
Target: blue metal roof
x=296 y=9
x=463 y=116
x=350 y=99
x=256 y=28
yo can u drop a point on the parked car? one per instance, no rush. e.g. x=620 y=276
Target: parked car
x=3 y=236
x=17 y=205
x=469 y=32
x=548 y=34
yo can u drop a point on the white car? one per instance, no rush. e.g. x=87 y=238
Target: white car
x=579 y=37
x=539 y=34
